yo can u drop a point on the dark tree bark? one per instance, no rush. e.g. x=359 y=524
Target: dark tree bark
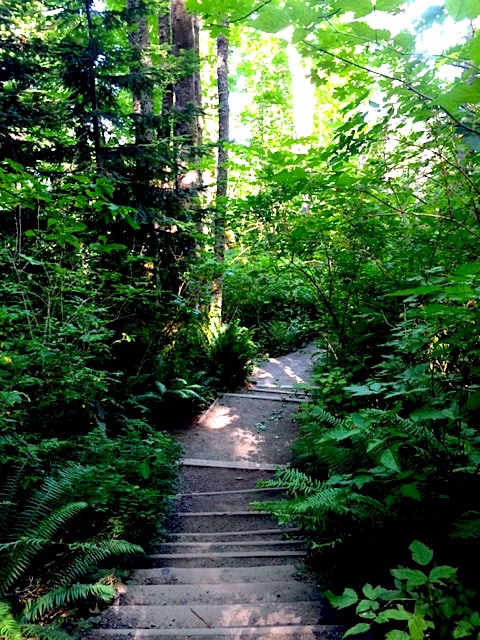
x=141 y=87
x=187 y=91
x=222 y=174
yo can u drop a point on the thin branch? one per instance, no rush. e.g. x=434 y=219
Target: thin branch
x=402 y=81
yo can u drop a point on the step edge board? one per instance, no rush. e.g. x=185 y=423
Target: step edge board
x=233 y=464
x=239 y=533
x=195 y=494
x=226 y=554
x=219 y=631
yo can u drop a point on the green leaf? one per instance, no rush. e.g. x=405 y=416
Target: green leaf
x=396 y=614
x=405 y=40
x=348 y=598
x=371 y=593
x=444 y=572
x=388 y=5
x=426 y=413
x=271 y=20
x=418 y=625
x=461 y=9
x=410 y=491
x=396 y=634
x=360 y=390
x=421 y=554
x=413 y=577
x=361 y=627
x=144 y=470
x=359 y=7
x=388 y=460
x=299 y=35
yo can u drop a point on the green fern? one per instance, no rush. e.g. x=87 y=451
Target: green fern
x=62 y=596
x=10 y=629
x=88 y=554
x=35 y=528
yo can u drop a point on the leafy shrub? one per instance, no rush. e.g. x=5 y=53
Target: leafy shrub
x=137 y=475
x=423 y=605
x=231 y=354
x=272 y=300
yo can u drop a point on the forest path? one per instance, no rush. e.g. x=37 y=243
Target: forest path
x=227 y=572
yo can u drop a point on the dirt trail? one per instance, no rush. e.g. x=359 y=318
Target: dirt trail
x=225 y=571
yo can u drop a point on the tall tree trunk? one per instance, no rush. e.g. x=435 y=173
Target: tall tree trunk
x=222 y=176
x=187 y=91
x=92 y=85
x=141 y=88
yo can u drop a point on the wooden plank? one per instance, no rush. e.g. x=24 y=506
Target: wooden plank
x=266 y=396
x=233 y=464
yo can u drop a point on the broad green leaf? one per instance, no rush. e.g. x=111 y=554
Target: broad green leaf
x=413 y=577
x=421 y=554
x=361 y=627
x=461 y=9
x=427 y=413
x=299 y=35
x=461 y=93
x=463 y=629
x=472 y=48
x=396 y=614
x=347 y=599
x=473 y=401
x=271 y=20
x=388 y=5
x=410 y=491
x=360 y=390
x=388 y=460
x=444 y=572
x=363 y=30
x=144 y=470
x=405 y=40
x=358 y=7
x=396 y=634
x=470 y=138
x=418 y=625
x=372 y=593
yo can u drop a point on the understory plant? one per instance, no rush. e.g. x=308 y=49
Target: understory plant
x=47 y=568
x=427 y=601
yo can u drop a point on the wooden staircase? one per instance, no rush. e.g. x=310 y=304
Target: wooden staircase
x=227 y=573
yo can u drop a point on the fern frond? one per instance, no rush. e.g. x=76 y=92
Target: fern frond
x=93 y=553
x=8 y=499
x=44 y=632
x=321 y=415
x=51 y=491
x=63 y=596
x=56 y=520
x=18 y=561
x=10 y=629
x=468 y=528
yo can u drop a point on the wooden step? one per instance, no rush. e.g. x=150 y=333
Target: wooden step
x=270 y=397
x=232 y=464
x=221 y=546
x=211 y=616
x=231 y=593
x=223 y=559
x=277 y=533
x=279 y=632
x=209 y=576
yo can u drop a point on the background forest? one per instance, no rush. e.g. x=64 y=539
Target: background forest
x=152 y=244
